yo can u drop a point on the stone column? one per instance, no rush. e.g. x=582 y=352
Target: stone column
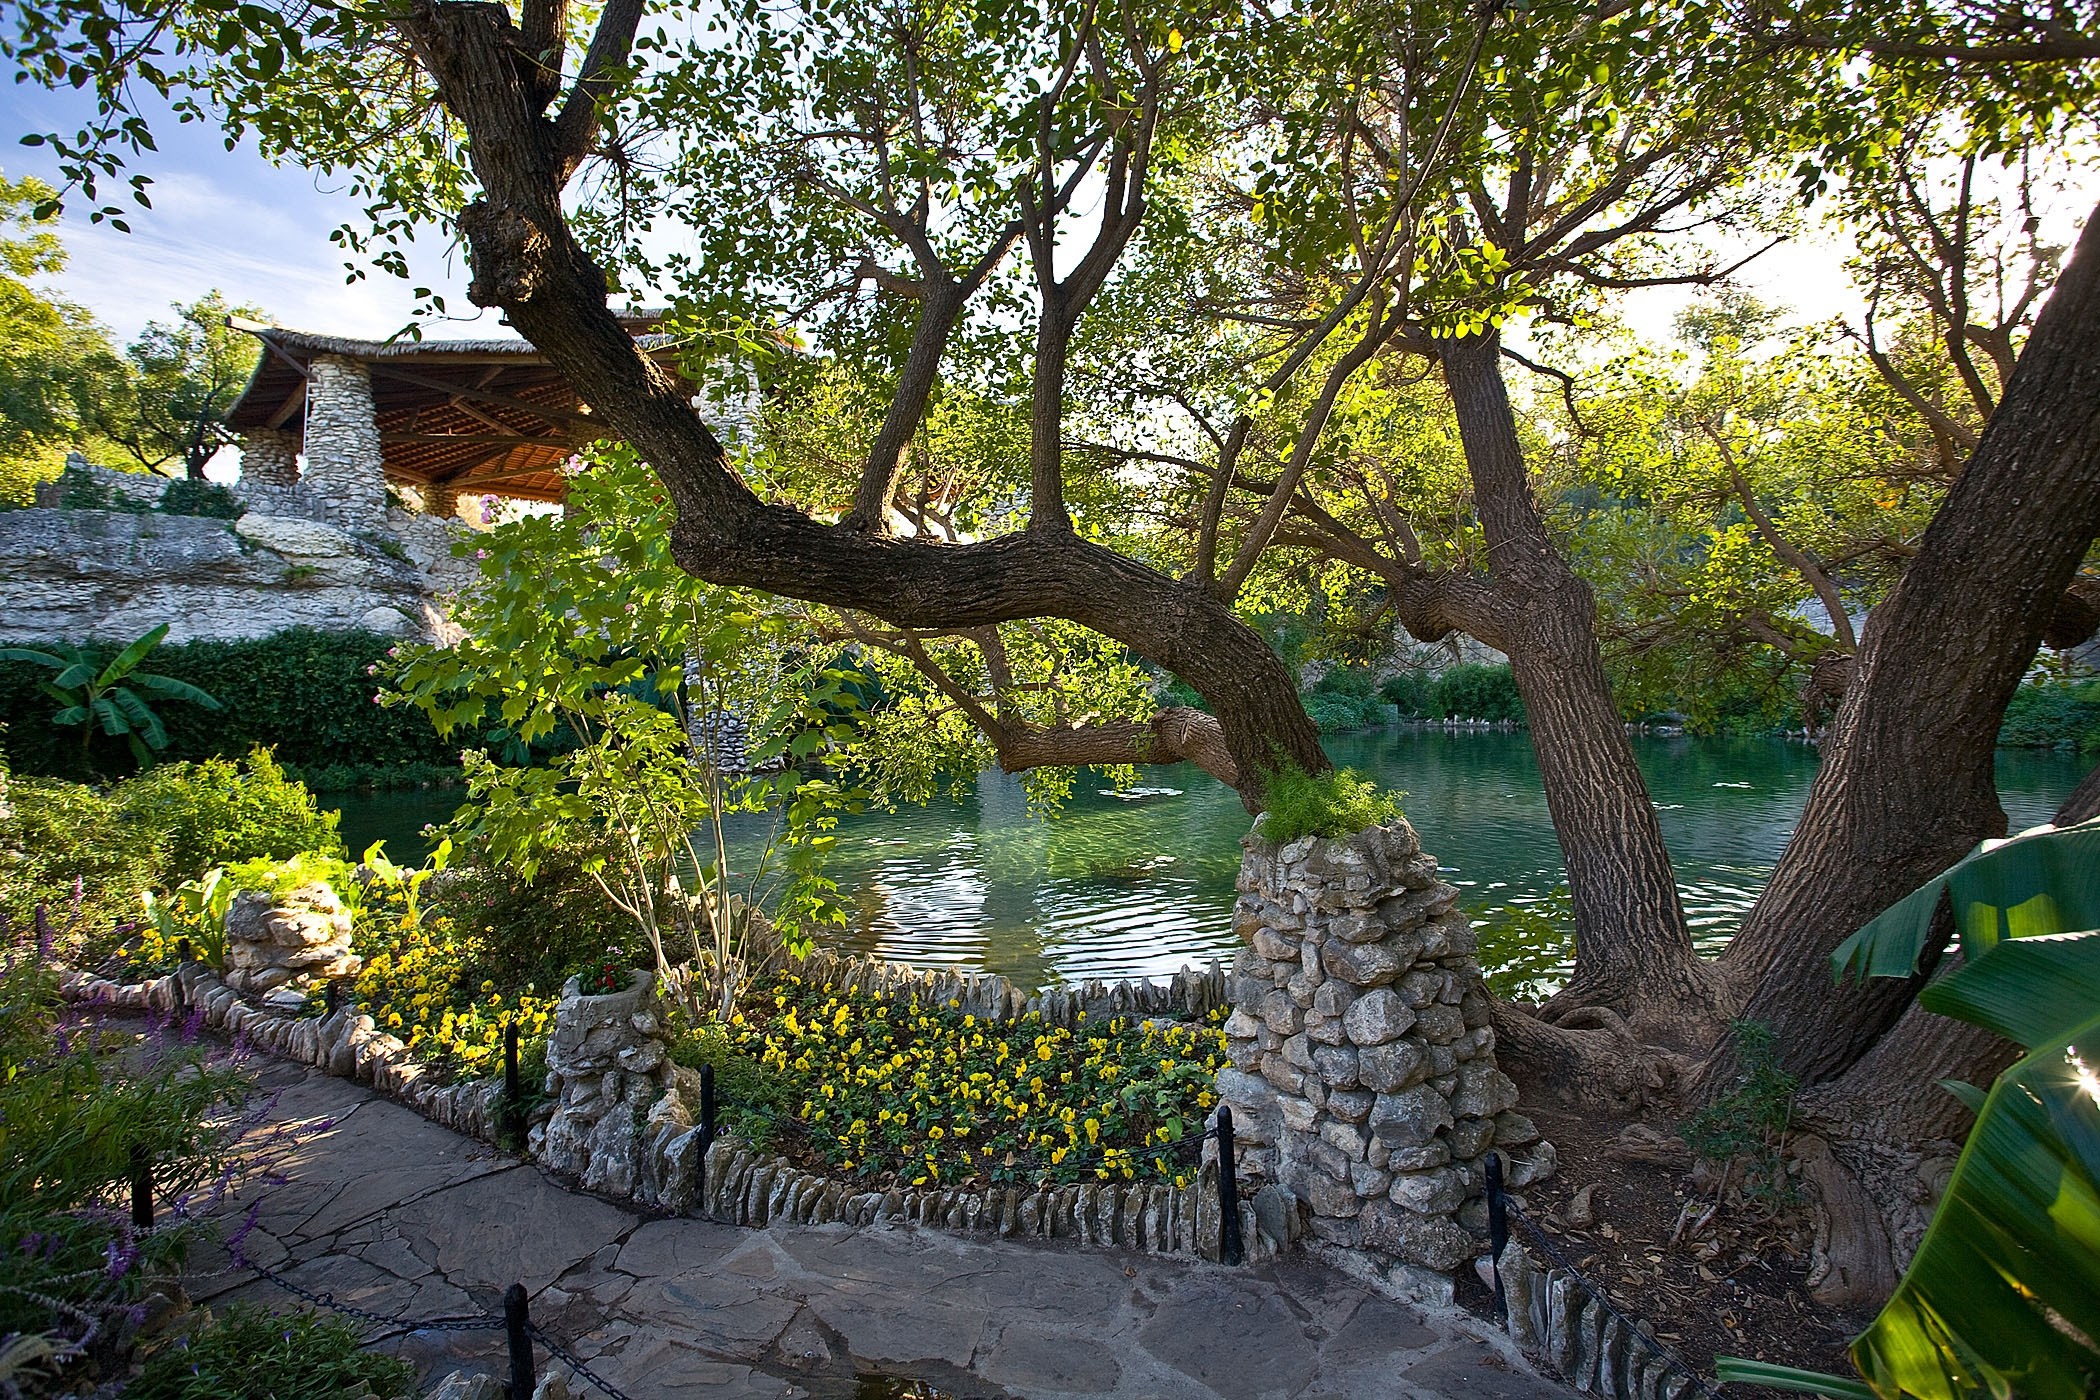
x=344 y=466
x=270 y=457
x=440 y=498
x=622 y=1111
x=1363 y=1066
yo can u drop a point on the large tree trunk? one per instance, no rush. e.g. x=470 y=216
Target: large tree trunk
x=527 y=261
x=1906 y=786
x=1633 y=952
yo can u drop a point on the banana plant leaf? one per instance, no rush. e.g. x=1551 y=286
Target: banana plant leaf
x=2003 y=1297
x=2041 y=882
x=2029 y=990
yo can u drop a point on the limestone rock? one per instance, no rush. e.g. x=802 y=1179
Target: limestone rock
x=1377 y=1017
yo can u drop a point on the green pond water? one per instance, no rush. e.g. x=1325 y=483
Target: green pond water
x=1115 y=887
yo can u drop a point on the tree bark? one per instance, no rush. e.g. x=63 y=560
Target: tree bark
x=1633 y=951
x=1906 y=787
x=527 y=261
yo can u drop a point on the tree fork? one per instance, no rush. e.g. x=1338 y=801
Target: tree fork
x=1907 y=783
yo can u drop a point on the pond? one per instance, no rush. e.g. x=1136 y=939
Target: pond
x=1123 y=886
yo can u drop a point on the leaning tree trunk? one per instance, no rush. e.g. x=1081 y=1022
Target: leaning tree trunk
x=1906 y=786
x=1633 y=954
x=526 y=260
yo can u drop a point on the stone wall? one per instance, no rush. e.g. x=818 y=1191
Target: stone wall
x=110 y=576
x=269 y=457
x=345 y=466
x=1363 y=1066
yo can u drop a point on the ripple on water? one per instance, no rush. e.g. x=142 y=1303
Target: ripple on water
x=1118 y=889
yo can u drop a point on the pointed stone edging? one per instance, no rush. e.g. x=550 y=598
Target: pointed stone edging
x=742 y=1187
x=989 y=996
x=745 y=1187
x=1555 y=1321
x=346 y=1044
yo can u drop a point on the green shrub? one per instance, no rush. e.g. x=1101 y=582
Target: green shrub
x=56 y=837
x=2052 y=714
x=1338 y=803
x=190 y=497
x=79 y=490
x=532 y=933
x=754 y=1099
x=1352 y=681
x=1748 y=1125
x=1476 y=692
x=1409 y=691
x=303 y=693
x=248 y=1353
x=1335 y=713
x=216 y=812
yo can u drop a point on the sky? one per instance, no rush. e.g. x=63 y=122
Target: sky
x=232 y=221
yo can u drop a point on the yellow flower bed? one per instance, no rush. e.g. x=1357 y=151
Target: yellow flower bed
x=927 y=1095
x=417 y=984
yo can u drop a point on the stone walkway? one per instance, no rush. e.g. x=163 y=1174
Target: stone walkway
x=391 y=1213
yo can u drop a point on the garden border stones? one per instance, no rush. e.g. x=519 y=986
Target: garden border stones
x=608 y=1052
x=1363 y=1069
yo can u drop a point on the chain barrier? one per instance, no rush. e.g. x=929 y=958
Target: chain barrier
x=460 y=1323
x=1597 y=1295
x=574 y=1363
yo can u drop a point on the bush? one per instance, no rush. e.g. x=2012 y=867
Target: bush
x=79 y=490
x=215 y=812
x=1338 y=803
x=2052 y=714
x=534 y=933
x=207 y=498
x=249 y=1353
x=1748 y=1124
x=149 y=832
x=1409 y=691
x=1352 y=681
x=306 y=694
x=1476 y=692
x=1334 y=713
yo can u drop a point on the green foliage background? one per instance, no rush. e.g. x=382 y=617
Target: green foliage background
x=304 y=693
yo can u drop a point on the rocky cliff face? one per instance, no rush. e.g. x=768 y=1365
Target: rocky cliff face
x=109 y=575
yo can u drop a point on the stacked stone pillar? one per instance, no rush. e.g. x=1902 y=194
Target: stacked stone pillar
x=270 y=457
x=345 y=468
x=440 y=498
x=1363 y=1074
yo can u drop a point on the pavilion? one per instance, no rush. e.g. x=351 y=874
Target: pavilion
x=449 y=418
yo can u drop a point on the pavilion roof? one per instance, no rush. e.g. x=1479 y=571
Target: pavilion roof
x=487 y=415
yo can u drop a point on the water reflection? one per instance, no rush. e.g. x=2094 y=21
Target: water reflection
x=1115 y=888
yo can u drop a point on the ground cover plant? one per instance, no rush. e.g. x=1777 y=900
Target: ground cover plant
x=905 y=1093
x=250 y=1353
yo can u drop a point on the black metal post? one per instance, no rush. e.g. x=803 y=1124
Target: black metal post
x=141 y=1189
x=332 y=996
x=513 y=1093
x=183 y=951
x=707 y=1125
x=515 y=1323
x=1498 y=1229
x=1231 y=1247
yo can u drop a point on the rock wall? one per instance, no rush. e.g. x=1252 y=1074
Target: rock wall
x=285 y=941
x=111 y=575
x=1363 y=1065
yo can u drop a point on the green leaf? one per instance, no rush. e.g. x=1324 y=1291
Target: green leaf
x=2046 y=881
x=2029 y=990
x=1738 y=1370
x=1970 y=1096
x=2003 y=1296
x=131 y=656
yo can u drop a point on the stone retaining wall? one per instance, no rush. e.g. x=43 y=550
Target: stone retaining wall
x=1363 y=1064
x=1553 y=1320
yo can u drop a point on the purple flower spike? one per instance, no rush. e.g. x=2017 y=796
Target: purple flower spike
x=193 y=1024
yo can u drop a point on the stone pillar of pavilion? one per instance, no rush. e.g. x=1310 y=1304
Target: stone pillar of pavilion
x=344 y=466
x=270 y=457
x=440 y=498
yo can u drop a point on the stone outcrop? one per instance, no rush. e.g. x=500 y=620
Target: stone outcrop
x=286 y=940
x=112 y=575
x=1363 y=1075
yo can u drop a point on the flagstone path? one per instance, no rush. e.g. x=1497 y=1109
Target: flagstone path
x=391 y=1213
